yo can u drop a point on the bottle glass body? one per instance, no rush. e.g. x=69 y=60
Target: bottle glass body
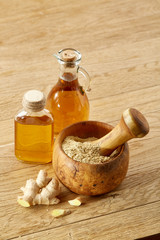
x=68 y=103
x=67 y=100
x=34 y=136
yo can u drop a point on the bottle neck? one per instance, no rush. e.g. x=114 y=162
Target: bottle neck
x=68 y=73
x=33 y=111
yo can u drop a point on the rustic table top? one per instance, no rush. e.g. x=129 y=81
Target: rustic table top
x=120 y=46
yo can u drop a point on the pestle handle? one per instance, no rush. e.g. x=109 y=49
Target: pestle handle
x=132 y=125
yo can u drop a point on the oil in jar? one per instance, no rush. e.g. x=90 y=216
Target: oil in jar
x=34 y=128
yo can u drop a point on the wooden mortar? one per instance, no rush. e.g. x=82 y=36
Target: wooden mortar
x=96 y=179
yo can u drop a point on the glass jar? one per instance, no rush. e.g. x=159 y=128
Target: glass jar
x=34 y=130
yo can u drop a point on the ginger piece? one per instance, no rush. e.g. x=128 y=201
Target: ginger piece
x=60 y=212
x=42 y=179
x=43 y=190
x=48 y=194
x=30 y=191
x=77 y=201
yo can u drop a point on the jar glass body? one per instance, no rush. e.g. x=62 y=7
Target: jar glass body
x=34 y=135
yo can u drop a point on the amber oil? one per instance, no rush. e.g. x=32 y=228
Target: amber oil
x=34 y=129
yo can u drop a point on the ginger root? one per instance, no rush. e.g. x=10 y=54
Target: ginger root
x=60 y=212
x=43 y=190
x=77 y=201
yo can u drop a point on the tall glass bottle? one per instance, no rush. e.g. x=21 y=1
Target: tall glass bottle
x=67 y=100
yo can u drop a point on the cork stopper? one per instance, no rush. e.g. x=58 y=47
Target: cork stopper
x=34 y=100
x=69 y=56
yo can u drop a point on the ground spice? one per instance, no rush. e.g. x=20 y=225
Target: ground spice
x=83 y=150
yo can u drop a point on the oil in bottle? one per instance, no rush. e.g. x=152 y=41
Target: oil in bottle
x=67 y=100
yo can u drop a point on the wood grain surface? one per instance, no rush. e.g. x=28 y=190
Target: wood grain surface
x=120 y=46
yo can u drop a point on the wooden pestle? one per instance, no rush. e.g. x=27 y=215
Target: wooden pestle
x=132 y=125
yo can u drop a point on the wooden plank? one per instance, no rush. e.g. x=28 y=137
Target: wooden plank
x=107 y=109
x=107 y=81
x=141 y=186
x=124 y=225
x=122 y=9
x=111 y=83
x=145 y=100
x=138 y=147
x=28 y=63
x=119 y=42
x=137 y=67
x=43 y=14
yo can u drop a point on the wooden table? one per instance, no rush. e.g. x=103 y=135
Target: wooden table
x=120 y=46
